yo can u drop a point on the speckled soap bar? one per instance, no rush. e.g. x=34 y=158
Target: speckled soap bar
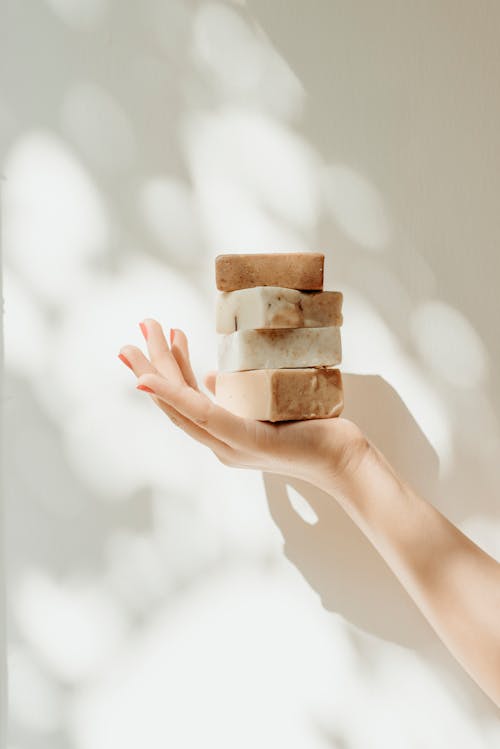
x=277 y=307
x=281 y=394
x=293 y=270
x=275 y=349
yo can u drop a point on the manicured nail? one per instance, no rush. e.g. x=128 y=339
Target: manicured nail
x=144 y=330
x=172 y=333
x=145 y=388
x=125 y=360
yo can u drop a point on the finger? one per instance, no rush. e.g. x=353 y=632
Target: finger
x=140 y=364
x=180 y=350
x=135 y=360
x=238 y=432
x=159 y=351
x=209 y=381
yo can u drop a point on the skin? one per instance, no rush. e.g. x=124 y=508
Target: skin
x=455 y=584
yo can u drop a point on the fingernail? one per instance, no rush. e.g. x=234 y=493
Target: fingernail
x=145 y=388
x=144 y=330
x=125 y=360
x=172 y=333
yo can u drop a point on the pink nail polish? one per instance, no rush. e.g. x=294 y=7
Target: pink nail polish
x=125 y=360
x=144 y=330
x=145 y=388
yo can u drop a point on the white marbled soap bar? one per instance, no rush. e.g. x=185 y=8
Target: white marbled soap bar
x=264 y=307
x=275 y=349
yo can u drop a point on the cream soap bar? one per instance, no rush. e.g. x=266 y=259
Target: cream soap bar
x=281 y=394
x=276 y=307
x=294 y=270
x=275 y=349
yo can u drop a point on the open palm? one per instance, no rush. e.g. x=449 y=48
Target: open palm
x=302 y=449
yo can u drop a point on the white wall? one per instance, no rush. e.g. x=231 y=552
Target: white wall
x=3 y=613
x=157 y=598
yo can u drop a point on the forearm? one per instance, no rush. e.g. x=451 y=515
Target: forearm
x=455 y=584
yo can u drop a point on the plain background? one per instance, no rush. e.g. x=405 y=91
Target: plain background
x=155 y=597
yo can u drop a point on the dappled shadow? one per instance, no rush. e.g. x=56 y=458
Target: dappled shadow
x=138 y=141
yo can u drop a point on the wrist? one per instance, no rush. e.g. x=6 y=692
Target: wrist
x=342 y=466
x=359 y=475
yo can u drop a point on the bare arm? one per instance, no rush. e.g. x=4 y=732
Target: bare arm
x=455 y=584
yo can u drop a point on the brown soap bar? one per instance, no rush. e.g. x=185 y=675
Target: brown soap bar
x=281 y=394
x=292 y=270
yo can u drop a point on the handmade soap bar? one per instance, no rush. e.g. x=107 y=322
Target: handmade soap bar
x=294 y=270
x=276 y=307
x=281 y=394
x=273 y=349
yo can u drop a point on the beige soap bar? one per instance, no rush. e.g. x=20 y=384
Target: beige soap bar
x=276 y=307
x=281 y=394
x=294 y=270
x=275 y=349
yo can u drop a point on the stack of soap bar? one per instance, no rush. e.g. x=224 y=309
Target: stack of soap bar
x=279 y=337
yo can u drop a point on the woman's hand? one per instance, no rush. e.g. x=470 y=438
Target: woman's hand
x=315 y=450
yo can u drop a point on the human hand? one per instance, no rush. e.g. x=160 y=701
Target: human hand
x=314 y=450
